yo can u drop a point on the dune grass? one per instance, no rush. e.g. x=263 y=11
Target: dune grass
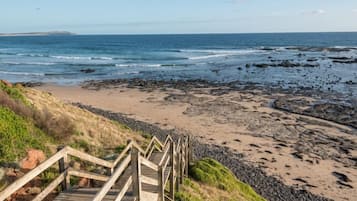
x=213 y=181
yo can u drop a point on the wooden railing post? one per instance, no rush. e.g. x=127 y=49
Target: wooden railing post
x=178 y=165
x=62 y=165
x=161 y=187
x=182 y=165
x=136 y=173
x=187 y=158
x=173 y=173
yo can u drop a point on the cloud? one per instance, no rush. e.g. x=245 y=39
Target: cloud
x=354 y=10
x=314 y=12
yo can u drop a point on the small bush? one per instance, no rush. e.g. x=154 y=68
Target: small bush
x=19 y=107
x=211 y=172
x=60 y=128
x=17 y=135
x=14 y=92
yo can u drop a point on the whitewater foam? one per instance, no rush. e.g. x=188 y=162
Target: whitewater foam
x=21 y=73
x=29 y=63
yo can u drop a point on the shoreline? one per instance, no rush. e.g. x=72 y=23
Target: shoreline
x=267 y=186
x=301 y=152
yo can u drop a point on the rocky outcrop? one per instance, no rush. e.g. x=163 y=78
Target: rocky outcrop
x=33 y=158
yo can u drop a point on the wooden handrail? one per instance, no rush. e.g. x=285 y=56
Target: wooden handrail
x=50 y=187
x=165 y=154
x=89 y=158
x=122 y=154
x=176 y=154
x=16 y=185
x=149 y=164
x=108 y=185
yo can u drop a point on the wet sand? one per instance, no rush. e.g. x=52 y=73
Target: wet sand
x=309 y=153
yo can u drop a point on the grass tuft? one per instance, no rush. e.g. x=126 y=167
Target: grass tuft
x=211 y=172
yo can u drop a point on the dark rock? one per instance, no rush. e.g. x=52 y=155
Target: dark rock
x=261 y=65
x=88 y=70
x=341 y=176
x=300 y=180
x=339 y=58
x=254 y=145
x=344 y=184
x=352 y=61
x=350 y=82
x=297 y=155
x=237 y=140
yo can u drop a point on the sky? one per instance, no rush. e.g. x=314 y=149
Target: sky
x=177 y=16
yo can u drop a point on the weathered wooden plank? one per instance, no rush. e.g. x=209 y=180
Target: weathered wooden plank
x=122 y=154
x=89 y=158
x=136 y=173
x=138 y=148
x=161 y=186
x=166 y=175
x=172 y=175
x=166 y=151
x=54 y=184
x=87 y=194
x=109 y=184
x=149 y=180
x=124 y=189
x=62 y=168
x=148 y=163
x=158 y=142
x=166 y=162
x=12 y=188
x=88 y=175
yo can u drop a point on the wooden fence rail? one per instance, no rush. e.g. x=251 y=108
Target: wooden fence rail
x=171 y=168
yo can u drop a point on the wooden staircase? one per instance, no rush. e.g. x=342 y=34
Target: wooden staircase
x=153 y=174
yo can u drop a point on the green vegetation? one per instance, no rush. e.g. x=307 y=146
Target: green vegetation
x=17 y=135
x=209 y=175
x=13 y=92
x=186 y=196
x=81 y=144
x=48 y=176
x=120 y=148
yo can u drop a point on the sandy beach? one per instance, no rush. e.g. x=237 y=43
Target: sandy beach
x=306 y=152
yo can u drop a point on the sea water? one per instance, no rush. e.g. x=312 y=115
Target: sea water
x=213 y=57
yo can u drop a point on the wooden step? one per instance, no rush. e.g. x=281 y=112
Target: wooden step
x=156 y=157
x=87 y=194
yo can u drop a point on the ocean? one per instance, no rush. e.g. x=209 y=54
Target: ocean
x=324 y=61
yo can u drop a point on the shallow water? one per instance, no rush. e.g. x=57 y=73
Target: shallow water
x=215 y=57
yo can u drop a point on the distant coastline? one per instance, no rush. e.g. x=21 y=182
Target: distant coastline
x=51 y=33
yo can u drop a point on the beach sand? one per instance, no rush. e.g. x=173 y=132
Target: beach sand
x=301 y=151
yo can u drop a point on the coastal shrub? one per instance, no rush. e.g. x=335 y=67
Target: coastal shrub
x=15 y=105
x=17 y=135
x=211 y=172
x=59 y=127
x=14 y=92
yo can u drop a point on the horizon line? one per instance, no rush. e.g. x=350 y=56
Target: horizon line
x=188 y=33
